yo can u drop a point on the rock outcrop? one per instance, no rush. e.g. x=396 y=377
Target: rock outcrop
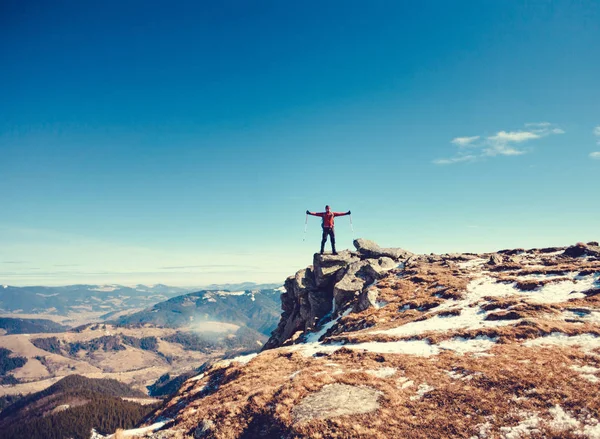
x=330 y=283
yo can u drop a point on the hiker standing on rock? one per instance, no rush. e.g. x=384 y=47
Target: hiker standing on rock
x=327 y=225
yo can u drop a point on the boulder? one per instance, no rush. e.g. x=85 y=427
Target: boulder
x=460 y=257
x=321 y=304
x=346 y=290
x=580 y=249
x=367 y=299
x=512 y=252
x=327 y=266
x=370 y=249
x=382 y=265
x=335 y=400
x=495 y=259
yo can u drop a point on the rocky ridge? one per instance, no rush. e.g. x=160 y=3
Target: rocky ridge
x=382 y=343
x=332 y=284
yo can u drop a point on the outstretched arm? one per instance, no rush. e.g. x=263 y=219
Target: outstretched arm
x=342 y=213
x=314 y=213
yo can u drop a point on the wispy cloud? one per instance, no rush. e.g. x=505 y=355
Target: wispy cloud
x=209 y=266
x=597 y=134
x=464 y=141
x=503 y=143
x=458 y=159
x=596 y=154
x=14 y=262
x=537 y=124
x=513 y=136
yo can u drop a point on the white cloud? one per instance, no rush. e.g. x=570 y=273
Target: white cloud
x=503 y=143
x=513 y=136
x=595 y=155
x=502 y=150
x=597 y=131
x=450 y=161
x=464 y=141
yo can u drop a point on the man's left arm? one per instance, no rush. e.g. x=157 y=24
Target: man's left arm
x=342 y=213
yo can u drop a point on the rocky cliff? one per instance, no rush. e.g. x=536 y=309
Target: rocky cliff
x=379 y=343
x=334 y=283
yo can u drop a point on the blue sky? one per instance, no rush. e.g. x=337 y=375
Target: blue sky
x=181 y=142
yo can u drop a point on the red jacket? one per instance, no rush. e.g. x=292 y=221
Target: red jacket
x=328 y=217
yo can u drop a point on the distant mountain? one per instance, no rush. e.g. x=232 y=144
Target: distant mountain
x=255 y=309
x=71 y=408
x=244 y=286
x=30 y=326
x=82 y=298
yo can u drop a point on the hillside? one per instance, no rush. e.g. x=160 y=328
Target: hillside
x=30 y=326
x=137 y=356
x=71 y=408
x=382 y=343
x=208 y=310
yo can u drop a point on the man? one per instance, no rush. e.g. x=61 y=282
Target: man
x=327 y=225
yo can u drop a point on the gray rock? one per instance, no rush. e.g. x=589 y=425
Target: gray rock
x=204 y=429
x=346 y=290
x=327 y=266
x=370 y=249
x=459 y=256
x=337 y=400
x=367 y=299
x=376 y=268
x=321 y=303
x=495 y=259
x=578 y=250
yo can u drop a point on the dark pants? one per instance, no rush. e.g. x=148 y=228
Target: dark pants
x=328 y=231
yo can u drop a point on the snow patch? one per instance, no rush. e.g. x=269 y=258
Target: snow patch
x=314 y=337
x=463 y=345
x=470 y=317
x=421 y=391
x=473 y=263
x=384 y=372
x=554 y=292
x=524 y=428
x=104 y=288
x=230 y=293
x=141 y=431
x=244 y=359
x=587 y=342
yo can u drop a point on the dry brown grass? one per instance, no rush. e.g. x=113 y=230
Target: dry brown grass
x=514 y=380
x=443 y=396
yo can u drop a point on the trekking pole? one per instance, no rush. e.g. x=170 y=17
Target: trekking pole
x=305 y=225
x=351 y=227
